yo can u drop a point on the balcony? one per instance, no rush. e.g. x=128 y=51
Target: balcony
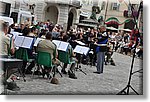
x=75 y=3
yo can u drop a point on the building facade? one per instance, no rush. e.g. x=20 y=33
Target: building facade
x=61 y=12
x=70 y=12
x=120 y=9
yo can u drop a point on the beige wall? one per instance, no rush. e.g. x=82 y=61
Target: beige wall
x=117 y=13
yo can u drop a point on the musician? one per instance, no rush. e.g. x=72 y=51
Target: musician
x=33 y=32
x=109 y=53
x=48 y=46
x=43 y=33
x=72 y=57
x=7 y=47
x=20 y=29
x=72 y=35
x=102 y=39
x=62 y=34
x=30 y=55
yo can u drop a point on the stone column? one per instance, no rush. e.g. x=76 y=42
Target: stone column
x=39 y=11
x=63 y=15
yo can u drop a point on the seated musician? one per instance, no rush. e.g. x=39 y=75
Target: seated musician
x=72 y=68
x=48 y=46
x=33 y=32
x=7 y=49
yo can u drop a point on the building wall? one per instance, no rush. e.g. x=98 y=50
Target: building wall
x=2 y=8
x=117 y=13
x=63 y=11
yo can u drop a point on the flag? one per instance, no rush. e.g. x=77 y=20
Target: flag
x=114 y=20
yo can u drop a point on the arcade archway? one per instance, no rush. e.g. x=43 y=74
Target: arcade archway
x=51 y=13
x=71 y=18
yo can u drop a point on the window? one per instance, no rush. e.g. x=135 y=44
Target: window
x=103 y=5
x=115 y=6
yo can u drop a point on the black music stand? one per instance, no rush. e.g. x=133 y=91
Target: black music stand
x=80 y=50
x=78 y=64
x=134 y=51
x=127 y=88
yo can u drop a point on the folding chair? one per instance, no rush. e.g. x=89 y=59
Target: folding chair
x=44 y=58
x=65 y=57
x=22 y=53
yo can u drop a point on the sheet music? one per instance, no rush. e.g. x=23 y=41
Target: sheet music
x=37 y=41
x=63 y=46
x=15 y=34
x=57 y=42
x=78 y=49
x=27 y=43
x=18 y=41
x=81 y=50
x=85 y=50
x=79 y=42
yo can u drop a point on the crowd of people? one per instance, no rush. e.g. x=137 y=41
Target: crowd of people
x=102 y=44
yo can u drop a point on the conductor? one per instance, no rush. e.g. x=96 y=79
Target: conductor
x=101 y=42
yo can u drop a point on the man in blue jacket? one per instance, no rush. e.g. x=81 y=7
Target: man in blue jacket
x=102 y=39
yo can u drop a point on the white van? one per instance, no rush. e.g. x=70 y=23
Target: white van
x=21 y=16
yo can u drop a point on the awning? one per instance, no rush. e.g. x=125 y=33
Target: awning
x=86 y=25
x=7 y=19
x=85 y=14
x=111 y=28
x=127 y=30
x=90 y=21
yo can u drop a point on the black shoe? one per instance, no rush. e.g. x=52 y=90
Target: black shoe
x=63 y=71
x=112 y=63
x=43 y=74
x=37 y=73
x=97 y=72
x=48 y=76
x=72 y=75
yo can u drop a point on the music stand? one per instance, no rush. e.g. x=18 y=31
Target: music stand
x=80 y=50
x=78 y=64
x=134 y=51
x=131 y=72
x=129 y=80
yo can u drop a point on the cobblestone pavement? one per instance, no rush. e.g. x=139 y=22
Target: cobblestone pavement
x=113 y=80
